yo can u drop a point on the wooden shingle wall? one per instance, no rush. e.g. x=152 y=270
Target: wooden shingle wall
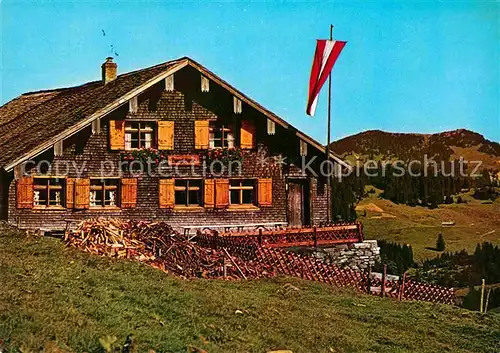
x=91 y=153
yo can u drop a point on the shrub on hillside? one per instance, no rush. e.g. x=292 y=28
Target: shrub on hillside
x=398 y=258
x=460 y=269
x=440 y=243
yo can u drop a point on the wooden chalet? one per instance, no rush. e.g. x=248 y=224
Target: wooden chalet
x=73 y=153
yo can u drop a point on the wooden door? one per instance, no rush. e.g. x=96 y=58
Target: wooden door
x=295 y=204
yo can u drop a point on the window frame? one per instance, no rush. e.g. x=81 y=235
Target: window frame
x=241 y=188
x=187 y=188
x=129 y=130
x=214 y=127
x=103 y=188
x=47 y=188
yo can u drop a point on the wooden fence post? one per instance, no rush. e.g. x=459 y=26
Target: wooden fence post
x=402 y=287
x=384 y=274
x=369 y=282
x=482 y=296
x=315 y=235
x=487 y=300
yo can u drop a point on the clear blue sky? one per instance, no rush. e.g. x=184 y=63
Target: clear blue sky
x=407 y=67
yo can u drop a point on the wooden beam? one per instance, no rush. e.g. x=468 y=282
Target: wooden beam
x=271 y=127
x=133 y=105
x=169 y=83
x=237 y=93
x=237 y=106
x=96 y=126
x=302 y=148
x=58 y=148
x=205 y=84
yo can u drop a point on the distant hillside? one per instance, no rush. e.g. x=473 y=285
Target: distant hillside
x=449 y=145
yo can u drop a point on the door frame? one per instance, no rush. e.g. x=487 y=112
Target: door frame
x=305 y=198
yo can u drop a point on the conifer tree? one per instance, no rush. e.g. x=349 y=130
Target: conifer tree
x=440 y=243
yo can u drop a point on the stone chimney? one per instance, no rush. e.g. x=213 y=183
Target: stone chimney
x=108 y=70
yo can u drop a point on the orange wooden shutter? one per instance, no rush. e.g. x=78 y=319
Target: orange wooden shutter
x=201 y=134
x=209 y=193
x=247 y=134
x=265 y=192
x=24 y=195
x=117 y=134
x=167 y=193
x=221 y=193
x=82 y=194
x=70 y=192
x=165 y=135
x=129 y=192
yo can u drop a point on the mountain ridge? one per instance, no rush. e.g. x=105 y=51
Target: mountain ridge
x=442 y=146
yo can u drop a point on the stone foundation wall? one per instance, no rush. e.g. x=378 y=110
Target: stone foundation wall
x=357 y=256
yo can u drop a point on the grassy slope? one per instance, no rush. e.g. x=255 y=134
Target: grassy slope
x=58 y=295
x=419 y=226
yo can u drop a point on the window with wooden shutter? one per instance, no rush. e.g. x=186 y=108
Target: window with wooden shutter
x=201 y=134
x=48 y=192
x=247 y=134
x=220 y=135
x=209 y=193
x=117 y=134
x=104 y=192
x=140 y=134
x=165 y=135
x=70 y=192
x=265 y=192
x=221 y=193
x=188 y=192
x=24 y=194
x=82 y=194
x=242 y=192
x=129 y=193
x=166 y=193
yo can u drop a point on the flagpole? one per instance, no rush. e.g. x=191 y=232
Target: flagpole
x=328 y=180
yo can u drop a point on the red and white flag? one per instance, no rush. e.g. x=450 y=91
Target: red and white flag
x=327 y=52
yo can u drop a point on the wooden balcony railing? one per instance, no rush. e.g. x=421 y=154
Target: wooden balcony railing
x=285 y=238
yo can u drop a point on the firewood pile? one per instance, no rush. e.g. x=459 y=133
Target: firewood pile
x=157 y=244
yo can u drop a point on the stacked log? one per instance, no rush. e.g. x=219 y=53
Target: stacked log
x=157 y=244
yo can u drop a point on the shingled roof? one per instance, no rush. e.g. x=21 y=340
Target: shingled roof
x=35 y=118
